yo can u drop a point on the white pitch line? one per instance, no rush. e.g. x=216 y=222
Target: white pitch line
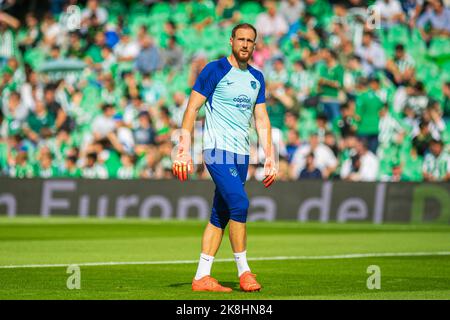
x=329 y=257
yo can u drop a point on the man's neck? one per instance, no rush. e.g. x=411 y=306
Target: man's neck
x=235 y=63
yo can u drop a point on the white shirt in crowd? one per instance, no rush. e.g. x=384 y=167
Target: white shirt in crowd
x=101 y=13
x=291 y=12
x=129 y=49
x=271 y=26
x=323 y=158
x=373 y=57
x=103 y=125
x=368 y=170
x=388 y=9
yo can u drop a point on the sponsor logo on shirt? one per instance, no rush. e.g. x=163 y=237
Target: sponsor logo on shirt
x=243 y=102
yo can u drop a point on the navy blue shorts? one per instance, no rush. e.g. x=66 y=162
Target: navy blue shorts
x=229 y=172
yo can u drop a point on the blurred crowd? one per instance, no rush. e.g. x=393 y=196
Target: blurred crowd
x=356 y=90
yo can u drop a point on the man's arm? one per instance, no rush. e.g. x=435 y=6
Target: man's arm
x=264 y=130
x=182 y=164
x=196 y=101
x=9 y=20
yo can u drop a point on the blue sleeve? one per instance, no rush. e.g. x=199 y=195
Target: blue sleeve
x=207 y=80
x=261 y=98
x=262 y=91
x=423 y=19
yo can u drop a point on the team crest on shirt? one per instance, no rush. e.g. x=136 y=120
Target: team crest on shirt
x=233 y=172
x=253 y=83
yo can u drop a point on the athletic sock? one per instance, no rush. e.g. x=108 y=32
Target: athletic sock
x=241 y=262
x=204 y=266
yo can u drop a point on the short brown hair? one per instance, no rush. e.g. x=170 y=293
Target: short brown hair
x=243 y=26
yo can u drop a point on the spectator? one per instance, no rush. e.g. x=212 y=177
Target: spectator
x=39 y=121
x=148 y=60
x=45 y=167
x=127 y=170
x=346 y=123
x=104 y=126
x=92 y=169
x=21 y=168
x=178 y=107
x=291 y=10
x=434 y=22
x=33 y=33
x=228 y=12
x=271 y=23
x=144 y=133
x=423 y=139
x=391 y=132
x=302 y=80
x=446 y=101
x=363 y=166
x=310 y=171
x=331 y=77
x=293 y=143
x=324 y=158
x=61 y=119
x=368 y=106
x=372 y=54
x=436 y=165
x=94 y=51
x=201 y=13
x=412 y=165
x=8 y=25
x=127 y=49
x=15 y=114
x=93 y=8
x=390 y=12
x=173 y=57
x=401 y=69
x=71 y=169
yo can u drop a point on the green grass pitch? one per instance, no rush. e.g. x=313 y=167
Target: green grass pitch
x=35 y=241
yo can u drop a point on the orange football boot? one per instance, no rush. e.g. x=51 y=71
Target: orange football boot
x=248 y=282
x=208 y=283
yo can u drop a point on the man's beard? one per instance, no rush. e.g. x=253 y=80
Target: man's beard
x=241 y=59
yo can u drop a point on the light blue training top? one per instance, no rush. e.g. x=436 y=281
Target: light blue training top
x=231 y=94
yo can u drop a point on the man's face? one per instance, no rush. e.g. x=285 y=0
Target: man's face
x=367 y=40
x=399 y=53
x=243 y=44
x=436 y=149
x=437 y=7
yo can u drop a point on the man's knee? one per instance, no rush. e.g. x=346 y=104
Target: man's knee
x=219 y=219
x=239 y=207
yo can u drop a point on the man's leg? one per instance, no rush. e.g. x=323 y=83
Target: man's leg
x=212 y=236
x=238 y=239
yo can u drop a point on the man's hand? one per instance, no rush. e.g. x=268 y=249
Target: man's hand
x=182 y=165
x=270 y=172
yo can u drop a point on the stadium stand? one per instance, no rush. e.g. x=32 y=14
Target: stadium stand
x=353 y=92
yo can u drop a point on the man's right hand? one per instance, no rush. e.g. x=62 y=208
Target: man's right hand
x=182 y=165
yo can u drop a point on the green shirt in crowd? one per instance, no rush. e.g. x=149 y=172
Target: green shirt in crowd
x=438 y=167
x=368 y=106
x=71 y=173
x=36 y=123
x=41 y=172
x=335 y=74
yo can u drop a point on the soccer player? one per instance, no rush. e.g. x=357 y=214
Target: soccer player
x=232 y=92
